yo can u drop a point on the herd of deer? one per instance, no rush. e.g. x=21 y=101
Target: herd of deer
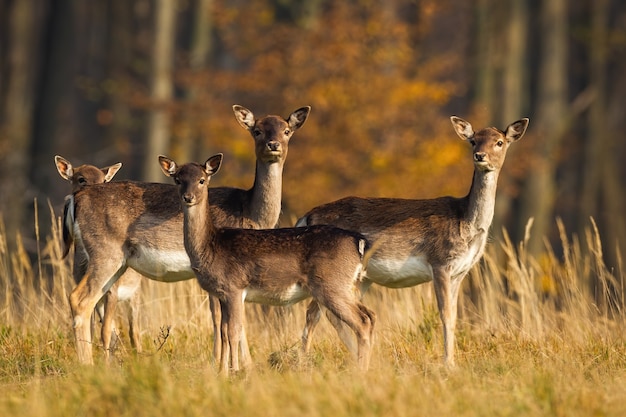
x=125 y=230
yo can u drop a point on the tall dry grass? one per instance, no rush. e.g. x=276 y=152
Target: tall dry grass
x=535 y=337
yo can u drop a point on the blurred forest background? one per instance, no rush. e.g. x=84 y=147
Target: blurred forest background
x=102 y=82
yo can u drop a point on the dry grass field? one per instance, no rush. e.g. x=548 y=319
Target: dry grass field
x=533 y=339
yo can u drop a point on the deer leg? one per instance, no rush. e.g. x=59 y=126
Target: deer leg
x=244 y=350
x=368 y=318
x=344 y=333
x=446 y=292
x=313 y=315
x=108 y=330
x=347 y=308
x=216 y=313
x=361 y=320
x=82 y=309
x=235 y=327
x=133 y=323
x=224 y=358
x=83 y=299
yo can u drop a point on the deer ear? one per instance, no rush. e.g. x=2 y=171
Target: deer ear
x=109 y=172
x=298 y=117
x=516 y=130
x=244 y=116
x=462 y=128
x=168 y=166
x=212 y=165
x=64 y=167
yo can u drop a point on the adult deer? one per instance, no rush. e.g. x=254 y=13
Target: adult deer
x=140 y=225
x=419 y=241
x=126 y=288
x=274 y=266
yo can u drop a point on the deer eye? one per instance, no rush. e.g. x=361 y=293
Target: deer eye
x=472 y=142
x=257 y=132
x=500 y=143
x=202 y=181
x=176 y=181
x=287 y=131
x=82 y=181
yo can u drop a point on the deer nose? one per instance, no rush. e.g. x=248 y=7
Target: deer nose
x=479 y=156
x=273 y=146
x=188 y=198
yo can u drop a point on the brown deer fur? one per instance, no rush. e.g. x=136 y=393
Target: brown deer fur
x=275 y=266
x=126 y=288
x=419 y=241
x=138 y=225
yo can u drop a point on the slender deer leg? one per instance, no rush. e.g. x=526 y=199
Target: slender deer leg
x=108 y=330
x=216 y=312
x=224 y=358
x=368 y=317
x=244 y=349
x=447 y=312
x=235 y=325
x=361 y=320
x=82 y=313
x=83 y=300
x=133 y=325
x=313 y=315
x=343 y=332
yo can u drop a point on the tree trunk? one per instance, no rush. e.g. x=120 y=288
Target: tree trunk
x=601 y=195
x=23 y=21
x=161 y=88
x=540 y=189
x=200 y=51
x=515 y=96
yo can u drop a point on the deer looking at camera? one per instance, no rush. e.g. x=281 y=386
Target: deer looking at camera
x=126 y=288
x=274 y=266
x=419 y=241
x=139 y=225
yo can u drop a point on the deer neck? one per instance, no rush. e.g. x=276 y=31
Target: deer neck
x=199 y=230
x=482 y=199
x=265 y=195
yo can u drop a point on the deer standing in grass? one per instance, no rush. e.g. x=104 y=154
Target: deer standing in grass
x=274 y=266
x=126 y=288
x=139 y=225
x=419 y=241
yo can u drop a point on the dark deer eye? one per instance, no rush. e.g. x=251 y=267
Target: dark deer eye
x=202 y=181
x=287 y=131
x=82 y=181
x=176 y=181
x=472 y=142
x=257 y=132
x=500 y=143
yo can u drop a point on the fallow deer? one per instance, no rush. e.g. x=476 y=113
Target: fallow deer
x=126 y=288
x=419 y=241
x=139 y=225
x=273 y=266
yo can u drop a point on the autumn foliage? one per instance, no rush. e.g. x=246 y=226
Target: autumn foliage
x=377 y=125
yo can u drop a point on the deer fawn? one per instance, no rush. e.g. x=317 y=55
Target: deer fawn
x=139 y=225
x=126 y=288
x=274 y=266
x=419 y=241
